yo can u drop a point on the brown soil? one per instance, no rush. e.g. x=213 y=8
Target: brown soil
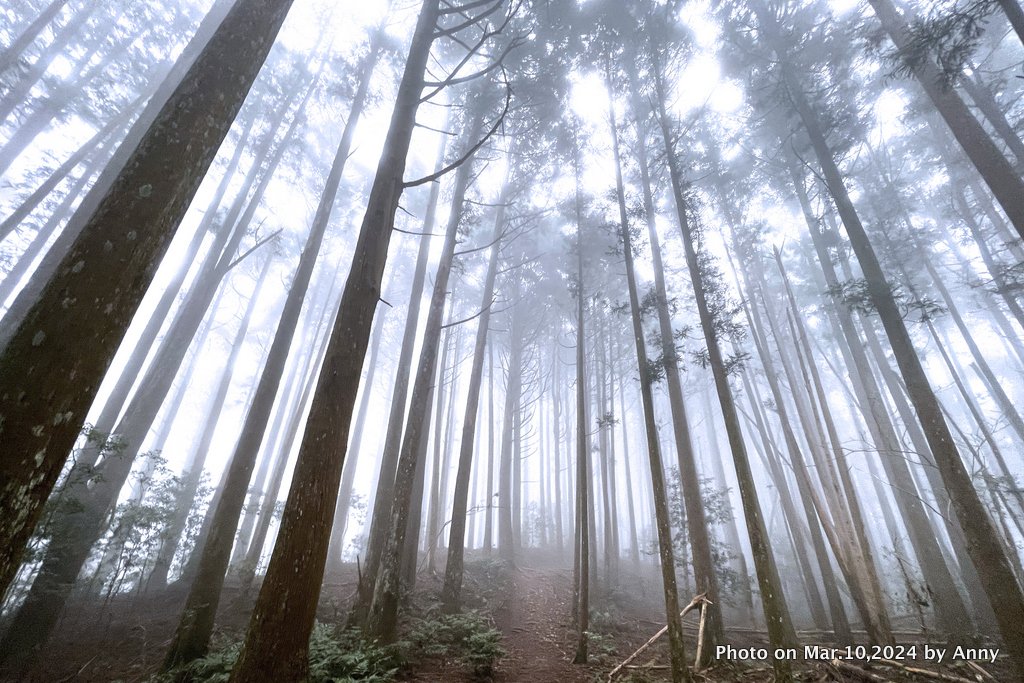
x=535 y=619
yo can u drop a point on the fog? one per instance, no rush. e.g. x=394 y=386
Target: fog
x=481 y=340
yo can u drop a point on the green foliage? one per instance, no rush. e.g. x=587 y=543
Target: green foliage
x=855 y=295
x=946 y=38
x=717 y=511
x=335 y=656
x=468 y=638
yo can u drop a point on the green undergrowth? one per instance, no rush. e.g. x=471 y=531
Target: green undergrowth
x=468 y=639
x=336 y=655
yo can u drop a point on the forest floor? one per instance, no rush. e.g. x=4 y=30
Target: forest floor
x=529 y=605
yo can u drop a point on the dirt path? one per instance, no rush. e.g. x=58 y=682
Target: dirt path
x=536 y=620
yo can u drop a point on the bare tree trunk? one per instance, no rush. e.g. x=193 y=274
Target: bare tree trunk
x=382 y=620
x=194 y=469
x=343 y=508
x=192 y=636
x=111 y=269
x=489 y=511
x=382 y=498
x=450 y=593
x=776 y=613
x=581 y=541
x=677 y=651
x=434 y=515
x=277 y=641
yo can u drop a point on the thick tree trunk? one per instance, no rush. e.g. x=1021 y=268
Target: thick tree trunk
x=110 y=270
x=1015 y=14
x=172 y=79
x=384 y=494
x=276 y=644
x=193 y=633
x=86 y=525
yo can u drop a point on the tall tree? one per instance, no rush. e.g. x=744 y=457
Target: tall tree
x=44 y=390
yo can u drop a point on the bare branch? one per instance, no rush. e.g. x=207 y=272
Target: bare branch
x=465 y=157
x=251 y=249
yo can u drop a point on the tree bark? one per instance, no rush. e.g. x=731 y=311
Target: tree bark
x=382 y=620
x=677 y=651
x=451 y=591
x=773 y=602
x=110 y=270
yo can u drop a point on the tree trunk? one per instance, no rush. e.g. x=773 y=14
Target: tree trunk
x=696 y=521
x=382 y=620
x=677 y=651
x=581 y=541
x=110 y=270
x=343 y=507
x=450 y=593
x=10 y=55
x=192 y=636
x=1004 y=182
x=489 y=510
x=384 y=495
x=983 y=543
x=277 y=641
x=171 y=78
x=773 y=602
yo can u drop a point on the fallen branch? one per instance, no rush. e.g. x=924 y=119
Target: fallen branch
x=700 y=633
x=981 y=671
x=927 y=673
x=855 y=671
x=698 y=601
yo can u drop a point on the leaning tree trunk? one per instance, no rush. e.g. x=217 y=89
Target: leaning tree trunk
x=696 y=520
x=1015 y=14
x=169 y=85
x=85 y=525
x=677 y=651
x=277 y=641
x=193 y=633
x=983 y=542
x=453 y=570
x=108 y=270
x=13 y=52
x=773 y=602
x=1006 y=184
x=377 y=515
x=382 y=621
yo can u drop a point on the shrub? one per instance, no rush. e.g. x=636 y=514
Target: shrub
x=468 y=638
